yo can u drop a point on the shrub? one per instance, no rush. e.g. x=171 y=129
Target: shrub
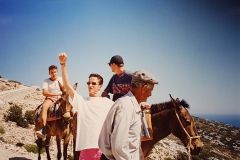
x=33 y=148
x=22 y=123
x=15 y=115
x=29 y=116
x=69 y=157
x=182 y=156
x=3 y=140
x=2 y=131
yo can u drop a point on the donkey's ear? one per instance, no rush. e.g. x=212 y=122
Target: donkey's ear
x=61 y=86
x=75 y=86
x=178 y=106
x=177 y=100
x=173 y=101
x=176 y=103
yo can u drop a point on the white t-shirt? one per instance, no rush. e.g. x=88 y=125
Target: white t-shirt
x=92 y=112
x=52 y=86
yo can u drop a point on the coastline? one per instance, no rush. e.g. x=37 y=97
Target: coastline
x=231 y=119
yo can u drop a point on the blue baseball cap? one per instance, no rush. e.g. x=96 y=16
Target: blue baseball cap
x=116 y=59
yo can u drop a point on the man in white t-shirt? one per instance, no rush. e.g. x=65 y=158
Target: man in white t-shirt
x=51 y=91
x=92 y=112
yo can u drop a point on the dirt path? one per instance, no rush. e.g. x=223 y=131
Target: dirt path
x=21 y=87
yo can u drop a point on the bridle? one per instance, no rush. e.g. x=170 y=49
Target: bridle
x=64 y=97
x=189 y=137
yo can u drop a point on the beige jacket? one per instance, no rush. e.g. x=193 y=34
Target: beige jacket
x=120 y=137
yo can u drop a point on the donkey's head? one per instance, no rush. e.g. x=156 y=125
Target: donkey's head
x=65 y=105
x=183 y=127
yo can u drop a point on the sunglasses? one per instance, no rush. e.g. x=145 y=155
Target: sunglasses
x=93 y=83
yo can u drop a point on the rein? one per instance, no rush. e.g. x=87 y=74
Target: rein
x=189 y=137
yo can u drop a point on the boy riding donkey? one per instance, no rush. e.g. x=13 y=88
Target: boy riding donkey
x=52 y=91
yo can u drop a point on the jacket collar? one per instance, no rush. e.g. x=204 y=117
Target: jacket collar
x=134 y=101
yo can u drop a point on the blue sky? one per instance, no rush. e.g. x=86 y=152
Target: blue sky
x=192 y=47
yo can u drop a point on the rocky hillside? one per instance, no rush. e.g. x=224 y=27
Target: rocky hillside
x=221 y=141
x=14 y=139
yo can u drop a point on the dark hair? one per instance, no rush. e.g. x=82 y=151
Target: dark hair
x=133 y=85
x=98 y=76
x=52 y=67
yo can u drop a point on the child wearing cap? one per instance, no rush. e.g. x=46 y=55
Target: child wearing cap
x=120 y=83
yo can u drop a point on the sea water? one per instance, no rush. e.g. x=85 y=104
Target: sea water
x=233 y=120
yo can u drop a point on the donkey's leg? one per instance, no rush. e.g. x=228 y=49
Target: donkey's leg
x=75 y=153
x=59 y=153
x=47 y=141
x=39 y=144
x=65 y=146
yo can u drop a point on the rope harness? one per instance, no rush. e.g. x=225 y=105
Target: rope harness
x=189 y=137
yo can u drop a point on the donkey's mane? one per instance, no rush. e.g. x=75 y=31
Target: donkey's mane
x=158 y=107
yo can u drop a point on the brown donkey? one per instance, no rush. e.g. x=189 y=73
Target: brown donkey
x=61 y=128
x=173 y=117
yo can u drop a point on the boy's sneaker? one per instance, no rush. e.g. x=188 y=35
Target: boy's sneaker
x=41 y=133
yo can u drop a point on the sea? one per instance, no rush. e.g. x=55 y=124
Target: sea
x=233 y=120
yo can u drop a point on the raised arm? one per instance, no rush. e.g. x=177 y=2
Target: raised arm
x=66 y=83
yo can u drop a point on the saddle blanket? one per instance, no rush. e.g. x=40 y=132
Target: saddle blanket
x=53 y=113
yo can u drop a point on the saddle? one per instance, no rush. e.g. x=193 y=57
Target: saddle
x=54 y=112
